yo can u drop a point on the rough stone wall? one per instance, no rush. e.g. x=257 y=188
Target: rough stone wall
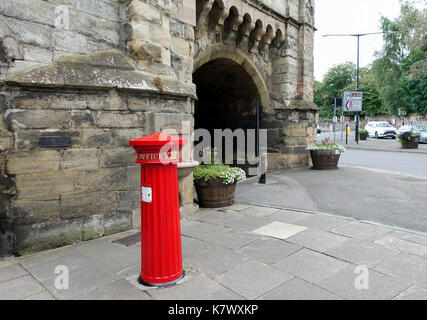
x=88 y=83
x=33 y=34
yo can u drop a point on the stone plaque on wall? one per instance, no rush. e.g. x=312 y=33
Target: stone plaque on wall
x=187 y=12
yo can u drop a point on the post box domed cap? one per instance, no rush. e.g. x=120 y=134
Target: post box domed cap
x=157 y=139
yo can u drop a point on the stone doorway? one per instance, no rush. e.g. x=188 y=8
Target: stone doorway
x=227 y=97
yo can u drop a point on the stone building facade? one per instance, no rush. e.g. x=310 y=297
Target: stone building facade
x=103 y=72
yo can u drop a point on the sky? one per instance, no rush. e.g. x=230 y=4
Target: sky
x=348 y=16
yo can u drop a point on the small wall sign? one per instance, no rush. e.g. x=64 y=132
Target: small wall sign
x=55 y=142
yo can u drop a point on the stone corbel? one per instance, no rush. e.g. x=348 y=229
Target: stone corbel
x=278 y=40
x=231 y=26
x=266 y=38
x=217 y=16
x=203 y=9
x=255 y=37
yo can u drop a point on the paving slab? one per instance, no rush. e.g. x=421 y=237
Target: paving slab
x=192 y=246
x=80 y=280
x=310 y=265
x=45 y=256
x=317 y=240
x=280 y=192
x=198 y=287
x=235 y=239
x=392 y=242
x=216 y=260
x=44 y=269
x=129 y=271
x=113 y=256
x=247 y=223
x=361 y=252
x=322 y=221
x=116 y=290
x=258 y=212
x=378 y=286
x=413 y=293
x=253 y=279
x=237 y=207
x=45 y=295
x=203 y=231
x=268 y=250
x=410 y=237
x=279 y=230
x=214 y=216
x=362 y=231
x=11 y=271
x=289 y=216
x=407 y=267
x=298 y=289
x=20 y=288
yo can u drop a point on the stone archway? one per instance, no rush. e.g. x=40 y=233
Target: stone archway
x=225 y=52
x=228 y=88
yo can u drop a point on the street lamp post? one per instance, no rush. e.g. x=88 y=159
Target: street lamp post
x=358 y=35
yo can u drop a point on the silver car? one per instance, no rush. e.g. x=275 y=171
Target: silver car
x=415 y=128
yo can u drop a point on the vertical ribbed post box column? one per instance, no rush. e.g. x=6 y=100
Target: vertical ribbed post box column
x=161 y=254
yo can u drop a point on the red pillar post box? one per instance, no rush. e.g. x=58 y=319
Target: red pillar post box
x=161 y=254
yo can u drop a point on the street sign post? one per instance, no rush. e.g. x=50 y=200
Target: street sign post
x=353 y=101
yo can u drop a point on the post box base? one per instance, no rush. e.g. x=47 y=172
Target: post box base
x=160 y=285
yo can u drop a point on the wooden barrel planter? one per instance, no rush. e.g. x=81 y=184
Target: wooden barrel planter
x=325 y=159
x=363 y=135
x=410 y=144
x=214 y=194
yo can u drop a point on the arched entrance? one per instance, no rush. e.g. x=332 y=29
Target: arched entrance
x=228 y=89
x=226 y=96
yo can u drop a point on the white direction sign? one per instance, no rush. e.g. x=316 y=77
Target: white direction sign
x=353 y=101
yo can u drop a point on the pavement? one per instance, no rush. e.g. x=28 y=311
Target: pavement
x=374 y=195
x=243 y=252
x=372 y=144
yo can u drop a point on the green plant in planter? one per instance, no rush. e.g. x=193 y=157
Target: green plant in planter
x=408 y=136
x=326 y=145
x=212 y=171
x=363 y=134
x=215 y=183
x=409 y=139
x=325 y=156
x=218 y=172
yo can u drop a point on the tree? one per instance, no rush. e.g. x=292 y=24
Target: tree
x=414 y=82
x=400 y=67
x=372 y=104
x=333 y=86
x=342 y=78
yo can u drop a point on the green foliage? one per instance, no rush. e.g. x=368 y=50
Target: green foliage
x=363 y=134
x=400 y=67
x=342 y=78
x=326 y=145
x=414 y=82
x=218 y=172
x=334 y=83
x=407 y=136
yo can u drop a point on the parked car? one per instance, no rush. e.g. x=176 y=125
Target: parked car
x=381 y=129
x=415 y=128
